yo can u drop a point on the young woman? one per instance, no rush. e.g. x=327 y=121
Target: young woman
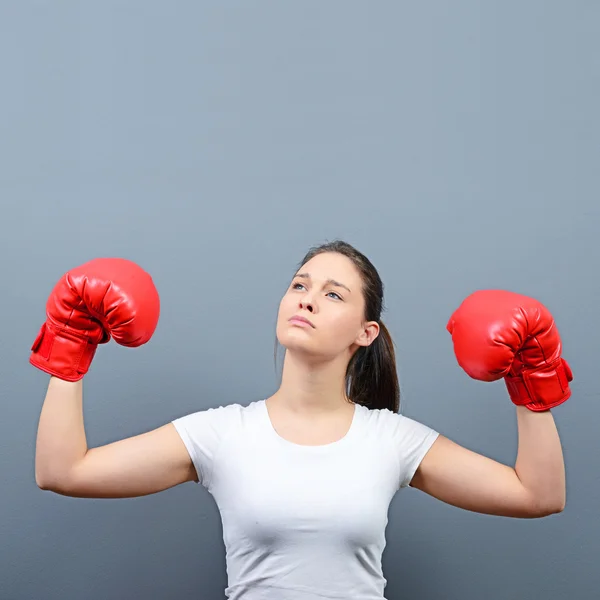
x=303 y=479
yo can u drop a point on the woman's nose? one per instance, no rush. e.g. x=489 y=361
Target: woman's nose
x=307 y=305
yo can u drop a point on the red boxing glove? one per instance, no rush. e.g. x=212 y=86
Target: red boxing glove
x=502 y=334
x=103 y=298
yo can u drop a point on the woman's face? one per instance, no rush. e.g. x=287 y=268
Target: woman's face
x=327 y=291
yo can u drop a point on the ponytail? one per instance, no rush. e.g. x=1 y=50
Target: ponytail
x=371 y=376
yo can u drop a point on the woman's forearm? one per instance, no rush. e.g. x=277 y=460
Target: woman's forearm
x=540 y=464
x=61 y=440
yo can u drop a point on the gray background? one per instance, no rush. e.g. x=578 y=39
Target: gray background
x=455 y=143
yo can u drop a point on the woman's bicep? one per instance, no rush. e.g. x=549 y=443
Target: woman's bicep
x=466 y=479
x=136 y=466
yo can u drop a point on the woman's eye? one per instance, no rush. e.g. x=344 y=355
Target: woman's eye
x=295 y=287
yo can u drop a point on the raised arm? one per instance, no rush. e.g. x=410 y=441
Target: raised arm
x=102 y=299
x=533 y=488
x=498 y=334
x=136 y=466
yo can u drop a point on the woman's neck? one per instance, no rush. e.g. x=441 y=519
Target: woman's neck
x=310 y=387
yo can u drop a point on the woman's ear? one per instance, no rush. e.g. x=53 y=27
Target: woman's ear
x=369 y=334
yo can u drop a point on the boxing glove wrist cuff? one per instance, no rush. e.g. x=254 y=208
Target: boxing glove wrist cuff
x=542 y=388
x=61 y=353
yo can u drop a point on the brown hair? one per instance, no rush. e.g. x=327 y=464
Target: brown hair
x=371 y=377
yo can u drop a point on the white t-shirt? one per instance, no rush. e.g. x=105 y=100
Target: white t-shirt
x=303 y=522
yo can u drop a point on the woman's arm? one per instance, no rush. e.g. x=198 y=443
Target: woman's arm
x=535 y=487
x=136 y=466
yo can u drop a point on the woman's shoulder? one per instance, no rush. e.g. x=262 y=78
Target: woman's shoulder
x=386 y=420
x=239 y=412
x=221 y=415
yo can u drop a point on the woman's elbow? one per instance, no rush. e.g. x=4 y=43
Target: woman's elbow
x=548 y=508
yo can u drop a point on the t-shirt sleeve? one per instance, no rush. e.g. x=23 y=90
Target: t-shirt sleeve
x=202 y=433
x=411 y=441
